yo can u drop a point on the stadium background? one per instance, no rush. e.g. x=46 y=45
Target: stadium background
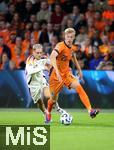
x=98 y=84
x=26 y=22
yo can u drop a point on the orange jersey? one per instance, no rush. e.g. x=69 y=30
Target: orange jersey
x=12 y=47
x=1 y=49
x=104 y=49
x=64 y=56
x=111 y=2
x=18 y=60
x=108 y=14
x=51 y=2
x=35 y=35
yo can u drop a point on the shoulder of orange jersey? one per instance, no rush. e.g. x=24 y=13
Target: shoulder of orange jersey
x=59 y=47
x=59 y=44
x=75 y=47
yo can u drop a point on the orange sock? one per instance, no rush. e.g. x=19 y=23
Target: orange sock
x=50 y=105
x=83 y=96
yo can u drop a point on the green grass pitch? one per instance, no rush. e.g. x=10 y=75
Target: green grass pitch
x=83 y=134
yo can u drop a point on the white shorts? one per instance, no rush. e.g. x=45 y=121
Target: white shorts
x=36 y=90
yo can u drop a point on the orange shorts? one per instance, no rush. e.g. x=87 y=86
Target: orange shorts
x=55 y=85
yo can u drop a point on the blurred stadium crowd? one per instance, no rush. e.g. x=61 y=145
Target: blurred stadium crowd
x=26 y=22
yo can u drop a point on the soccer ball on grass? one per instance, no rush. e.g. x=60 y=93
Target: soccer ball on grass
x=66 y=119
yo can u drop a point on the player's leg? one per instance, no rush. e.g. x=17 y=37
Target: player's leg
x=51 y=103
x=46 y=94
x=59 y=109
x=55 y=86
x=84 y=98
x=41 y=105
x=82 y=94
x=36 y=94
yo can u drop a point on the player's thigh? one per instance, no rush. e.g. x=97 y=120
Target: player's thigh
x=55 y=86
x=46 y=92
x=71 y=82
x=74 y=84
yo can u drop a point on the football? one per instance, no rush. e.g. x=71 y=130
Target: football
x=66 y=118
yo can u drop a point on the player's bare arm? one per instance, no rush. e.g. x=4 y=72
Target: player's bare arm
x=47 y=67
x=53 y=56
x=75 y=61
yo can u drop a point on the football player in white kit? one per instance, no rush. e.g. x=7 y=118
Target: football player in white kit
x=35 y=66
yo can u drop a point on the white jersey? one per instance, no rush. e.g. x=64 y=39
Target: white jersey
x=35 y=76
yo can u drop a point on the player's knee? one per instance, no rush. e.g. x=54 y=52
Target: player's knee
x=74 y=84
x=39 y=101
x=46 y=93
x=54 y=96
x=54 y=99
x=47 y=96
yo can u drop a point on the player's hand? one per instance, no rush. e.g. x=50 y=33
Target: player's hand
x=58 y=76
x=80 y=75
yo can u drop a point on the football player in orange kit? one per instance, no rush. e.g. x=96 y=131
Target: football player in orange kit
x=61 y=75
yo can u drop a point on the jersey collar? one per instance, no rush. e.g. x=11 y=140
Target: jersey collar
x=66 y=45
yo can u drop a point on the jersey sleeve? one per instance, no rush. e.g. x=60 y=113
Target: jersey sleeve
x=33 y=67
x=44 y=61
x=58 y=48
x=74 y=48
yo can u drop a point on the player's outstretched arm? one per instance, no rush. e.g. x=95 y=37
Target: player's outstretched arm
x=53 y=56
x=31 y=69
x=75 y=61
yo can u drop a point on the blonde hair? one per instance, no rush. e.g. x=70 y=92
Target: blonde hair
x=37 y=46
x=70 y=30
